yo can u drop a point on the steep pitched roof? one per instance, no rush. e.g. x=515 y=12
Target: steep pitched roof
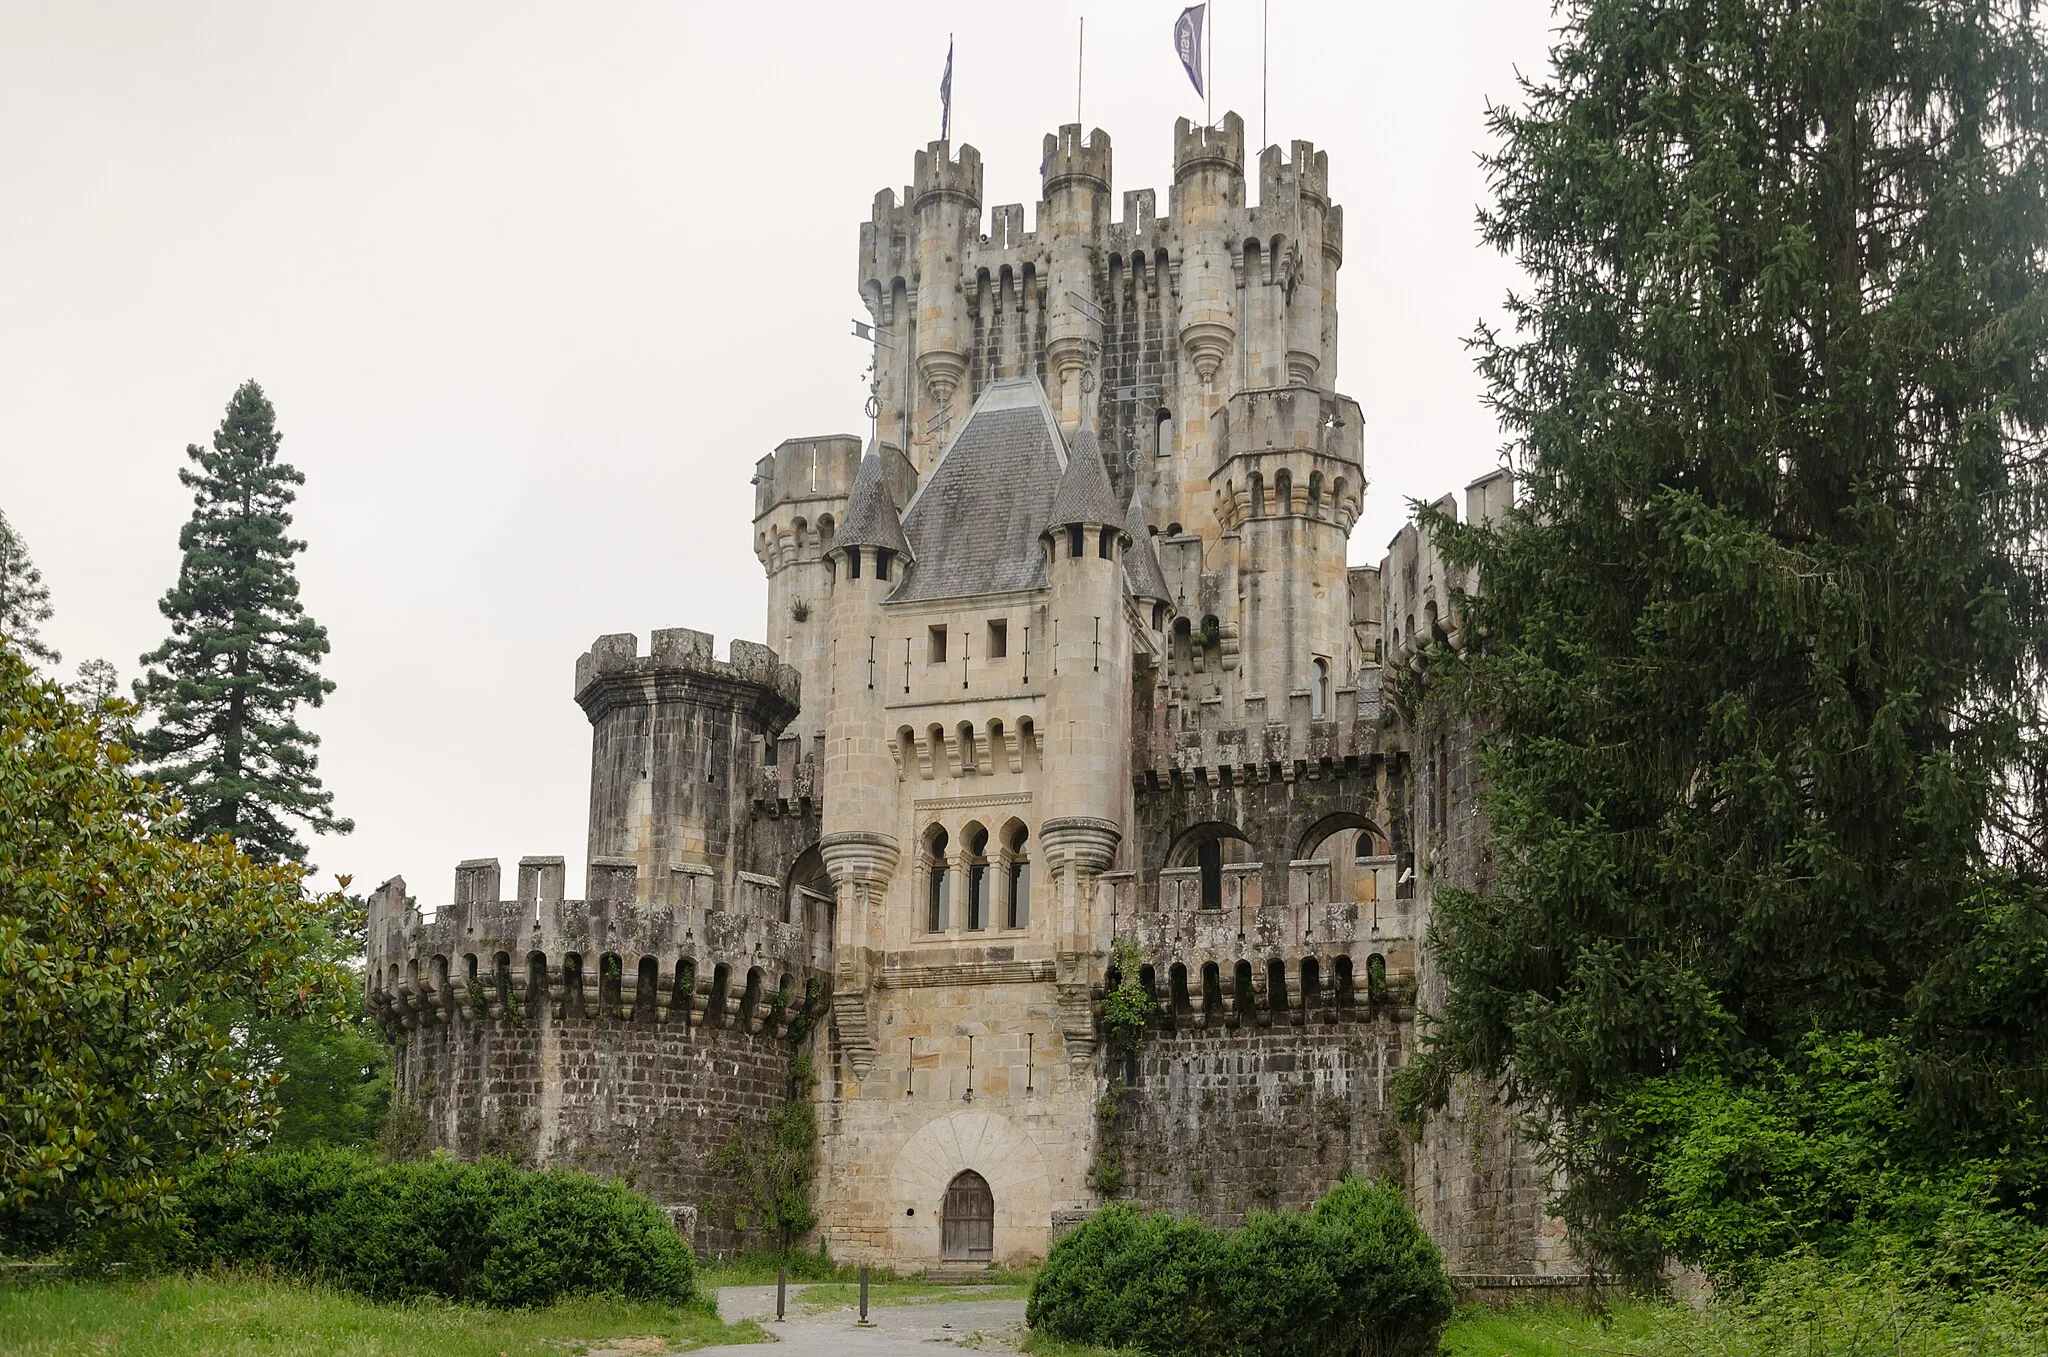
x=974 y=523
x=1084 y=494
x=1141 y=562
x=871 y=519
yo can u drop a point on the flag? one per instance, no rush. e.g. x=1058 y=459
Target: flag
x=946 y=96
x=1187 y=42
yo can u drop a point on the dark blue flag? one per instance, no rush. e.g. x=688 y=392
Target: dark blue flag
x=946 y=96
x=1187 y=42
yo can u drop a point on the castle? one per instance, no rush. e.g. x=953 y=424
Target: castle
x=1069 y=653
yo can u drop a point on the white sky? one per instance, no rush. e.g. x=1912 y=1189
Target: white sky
x=532 y=287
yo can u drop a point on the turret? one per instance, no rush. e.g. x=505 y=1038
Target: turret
x=1075 y=214
x=946 y=199
x=1208 y=189
x=1142 y=575
x=866 y=561
x=1289 y=481
x=800 y=493
x=674 y=735
x=1294 y=196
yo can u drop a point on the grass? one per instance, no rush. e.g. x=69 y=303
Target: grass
x=1547 y=1330
x=247 y=1316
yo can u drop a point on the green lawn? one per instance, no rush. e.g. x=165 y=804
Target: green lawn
x=1562 y=1330
x=241 y=1316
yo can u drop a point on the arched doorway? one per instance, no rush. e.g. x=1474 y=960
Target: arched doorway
x=967 y=1224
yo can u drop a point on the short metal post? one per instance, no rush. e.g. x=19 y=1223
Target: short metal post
x=781 y=1290
x=863 y=1293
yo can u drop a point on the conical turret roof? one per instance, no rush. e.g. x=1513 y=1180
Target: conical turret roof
x=1084 y=495
x=1141 y=562
x=871 y=517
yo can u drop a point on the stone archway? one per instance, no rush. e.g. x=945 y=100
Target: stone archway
x=996 y=1150
x=967 y=1222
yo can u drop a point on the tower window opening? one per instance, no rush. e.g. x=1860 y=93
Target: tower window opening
x=1077 y=545
x=1210 y=856
x=1106 y=545
x=853 y=564
x=937 y=652
x=937 y=882
x=882 y=559
x=998 y=638
x=977 y=879
x=1319 y=690
x=1020 y=878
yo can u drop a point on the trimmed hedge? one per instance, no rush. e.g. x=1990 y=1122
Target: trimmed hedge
x=484 y=1232
x=1355 y=1274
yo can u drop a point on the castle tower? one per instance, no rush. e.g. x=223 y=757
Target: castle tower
x=673 y=734
x=1206 y=202
x=800 y=493
x=1088 y=713
x=1075 y=213
x=946 y=200
x=867 y=561
x=1289 y=482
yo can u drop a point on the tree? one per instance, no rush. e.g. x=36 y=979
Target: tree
x=121 y=941
x=1761 y=671
x=24 y=598
x=242 y=654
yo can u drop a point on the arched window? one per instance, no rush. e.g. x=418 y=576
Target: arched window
x=968 y=755
x=1210 y=855
x=976 y=839
x=1315 y=493
x=1319 y=690
x=1283 y=492
x=1020 y=877
x=1258 y=488
x=938 y=882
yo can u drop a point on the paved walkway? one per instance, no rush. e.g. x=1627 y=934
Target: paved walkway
x=897 y=1330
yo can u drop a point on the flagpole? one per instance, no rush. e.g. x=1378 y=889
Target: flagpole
x=1080 y=53
x=1209 y=85
x=1265 y=43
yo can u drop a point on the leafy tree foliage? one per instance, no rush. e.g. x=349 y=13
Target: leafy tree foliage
x=242 y=654
x=121 y=941
x=1762 y=647
x=24 y=598
x=770 y=1176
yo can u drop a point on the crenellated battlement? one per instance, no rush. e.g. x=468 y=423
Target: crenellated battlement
x=1304 y=177
x=1422 y=590
x=1068 y=159
x=1291 y=418
x=1278 y=740
x=1218 y=147
x=682 y=651
x=715 y=954
x=941 y=178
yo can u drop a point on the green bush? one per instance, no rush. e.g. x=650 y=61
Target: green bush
x=1356 y=1274
x=484 y=1232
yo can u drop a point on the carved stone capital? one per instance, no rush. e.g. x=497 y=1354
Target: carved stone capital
x=1089 y=843
x=860 y=857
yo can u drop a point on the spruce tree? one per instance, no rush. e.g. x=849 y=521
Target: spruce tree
x=24 y=598
x=242 y=655
x=1761 y=672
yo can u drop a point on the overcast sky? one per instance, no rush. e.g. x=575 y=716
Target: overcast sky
x=532 y=287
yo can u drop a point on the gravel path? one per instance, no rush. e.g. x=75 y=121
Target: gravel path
x=895 y=1330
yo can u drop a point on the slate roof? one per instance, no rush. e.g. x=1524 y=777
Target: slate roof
x=974 y=523
x=1085 y=495
x=1141 y=561
x=871 y=519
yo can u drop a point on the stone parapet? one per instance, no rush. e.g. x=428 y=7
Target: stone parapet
x=1185 y=740
x=614 y=665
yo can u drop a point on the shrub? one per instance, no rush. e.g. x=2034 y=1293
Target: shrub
x=483 y=1232
x=1354 y=1275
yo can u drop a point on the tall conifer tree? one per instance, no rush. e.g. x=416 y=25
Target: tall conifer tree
x=1762 y=658
x=242 y=655
x=24 y=598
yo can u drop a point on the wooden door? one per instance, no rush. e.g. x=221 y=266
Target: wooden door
x=967 y=1224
